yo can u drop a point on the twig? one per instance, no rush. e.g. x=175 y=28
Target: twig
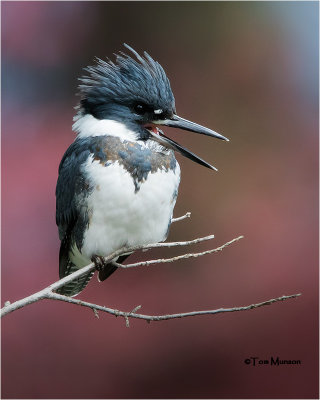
x=177 y=258
x=133 y=314
x=186 y=243
x=187 y=215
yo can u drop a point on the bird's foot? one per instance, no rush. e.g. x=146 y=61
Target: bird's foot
x=98 y=262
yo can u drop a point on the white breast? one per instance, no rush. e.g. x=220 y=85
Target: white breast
x=119 y=216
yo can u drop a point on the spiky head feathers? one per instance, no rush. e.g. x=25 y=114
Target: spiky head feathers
x=127 y=82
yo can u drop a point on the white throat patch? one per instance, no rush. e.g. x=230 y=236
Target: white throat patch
x=88 y=125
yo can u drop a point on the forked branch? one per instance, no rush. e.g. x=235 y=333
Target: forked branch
x=49 y=291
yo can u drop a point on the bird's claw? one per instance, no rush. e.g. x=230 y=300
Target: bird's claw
x=98 y=262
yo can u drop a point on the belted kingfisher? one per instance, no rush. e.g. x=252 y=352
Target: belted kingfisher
x=118 y=181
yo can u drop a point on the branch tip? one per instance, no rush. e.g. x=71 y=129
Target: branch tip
x=187 y=215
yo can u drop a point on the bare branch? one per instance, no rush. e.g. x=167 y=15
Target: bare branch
x=49 y=292
x=177 y=258
x=187 y=215
x=133 y=314
x=173 y=244
x=44 y=293
x=56 y=285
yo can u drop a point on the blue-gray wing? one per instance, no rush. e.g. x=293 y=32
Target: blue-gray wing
x=71 y=194
x=72 y=186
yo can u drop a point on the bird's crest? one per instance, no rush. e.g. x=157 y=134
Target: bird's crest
x=141 y=80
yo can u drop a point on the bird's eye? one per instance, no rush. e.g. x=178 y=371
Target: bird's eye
x=159 y=114
x=140 y=108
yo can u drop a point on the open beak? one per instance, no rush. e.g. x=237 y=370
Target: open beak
x=178 y=122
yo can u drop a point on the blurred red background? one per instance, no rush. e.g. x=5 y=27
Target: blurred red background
x=248 y=70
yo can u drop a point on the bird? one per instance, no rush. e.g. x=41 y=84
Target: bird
x=118 y=181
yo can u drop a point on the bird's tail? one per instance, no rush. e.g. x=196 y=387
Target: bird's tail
x=75 y=287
